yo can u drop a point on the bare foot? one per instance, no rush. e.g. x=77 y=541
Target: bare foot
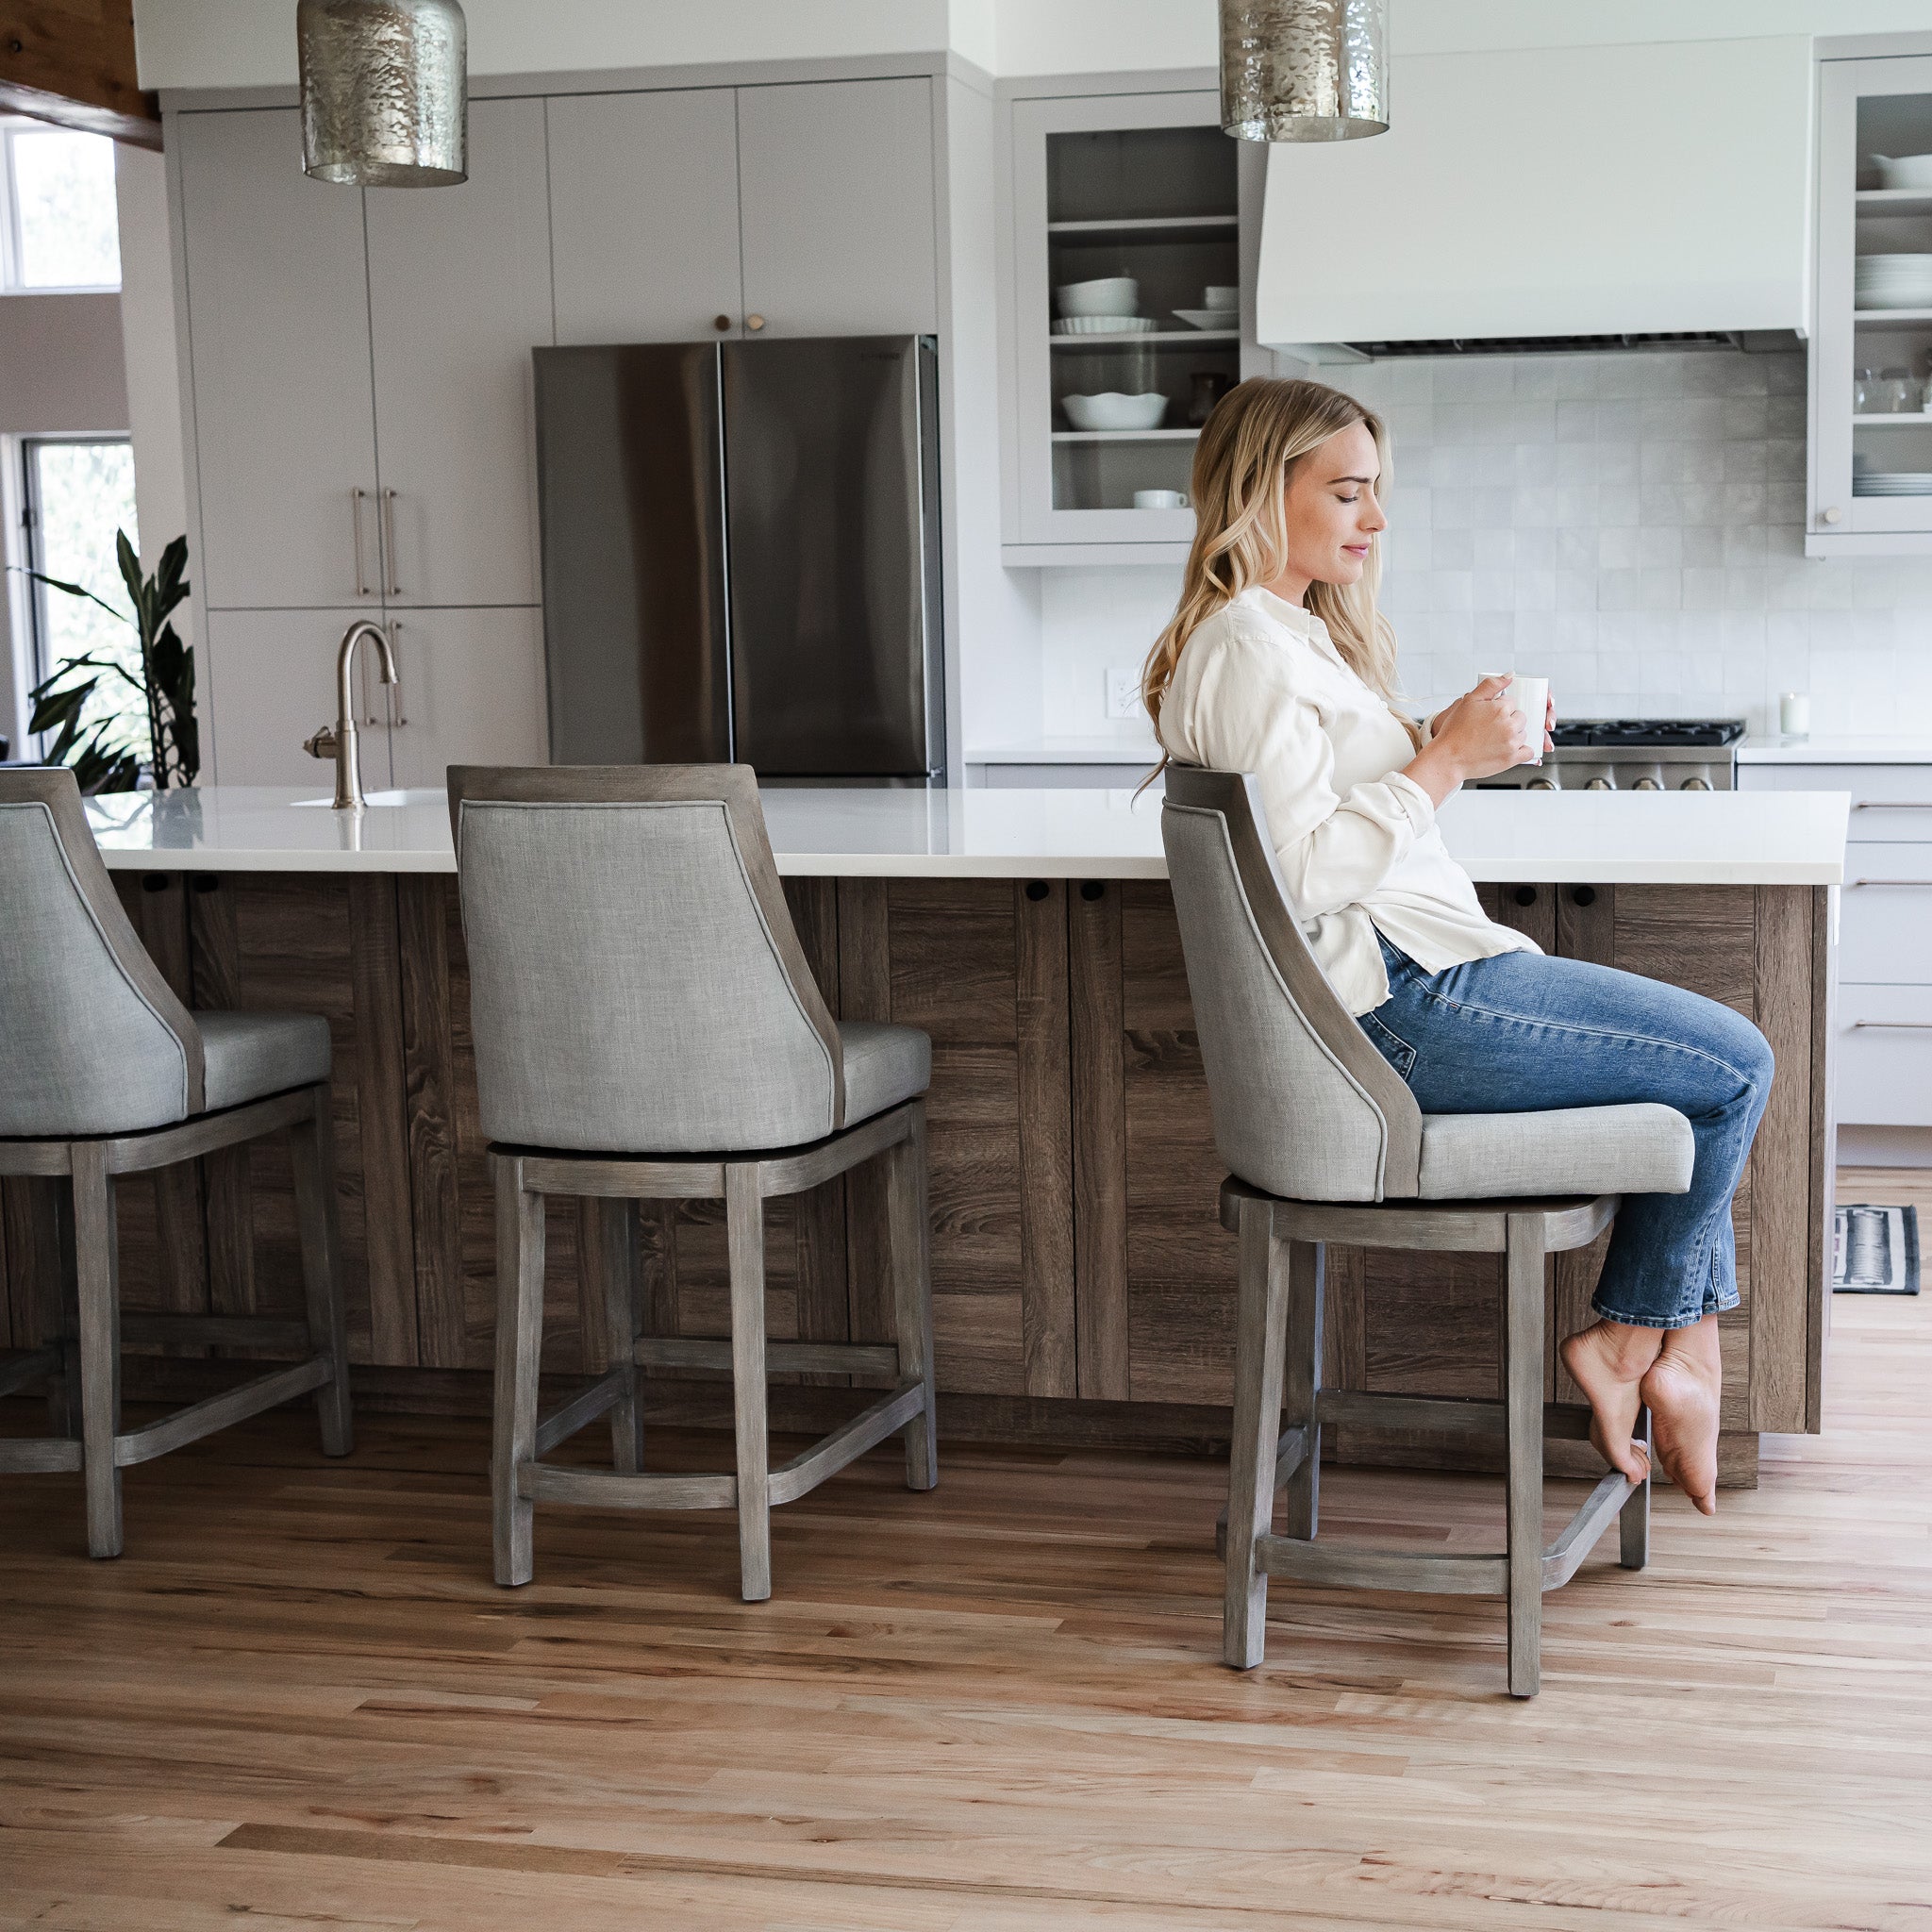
x=1682 y=1388
x=1609 y=1361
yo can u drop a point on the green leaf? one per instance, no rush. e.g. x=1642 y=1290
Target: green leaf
x=58 y=709
x=71 y=590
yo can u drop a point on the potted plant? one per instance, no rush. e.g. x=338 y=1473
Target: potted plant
x=166 y=685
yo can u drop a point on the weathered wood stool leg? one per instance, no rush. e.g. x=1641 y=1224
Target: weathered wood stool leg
x=52 y=1259
x=910 y=1234
x=1304 y=1384
x=97 y=1289
x=519 y=1352
x=1523 y=1395
x=617 y=1261
x=1632 y=1520
x=744 y=1227
x=312 y=1148
x=1260 y=1340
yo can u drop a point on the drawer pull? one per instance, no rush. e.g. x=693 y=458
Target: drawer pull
x=1894 y=804
x=1893 y=882
x=1895 y=1026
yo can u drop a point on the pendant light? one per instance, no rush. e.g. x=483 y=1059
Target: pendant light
x=1303 y=70
x=385 y=92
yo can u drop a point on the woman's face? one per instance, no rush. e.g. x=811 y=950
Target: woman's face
x=1331 y=512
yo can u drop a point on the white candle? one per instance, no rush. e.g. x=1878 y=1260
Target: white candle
x=1794 y=713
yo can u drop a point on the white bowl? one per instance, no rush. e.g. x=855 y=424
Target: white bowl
x=1903 y=171
x=1113 y=410
x=1115 y=295
x=1214 y=297
x=1104 y=325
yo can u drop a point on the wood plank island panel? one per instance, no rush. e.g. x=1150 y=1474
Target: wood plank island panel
x=1079 y=1268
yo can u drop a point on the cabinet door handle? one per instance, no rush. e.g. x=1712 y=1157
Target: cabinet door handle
x=754 y=321
x=1895 y=1026
x=388 y=541
x=356 y=497
x=1893 y=882
x=1894 y=804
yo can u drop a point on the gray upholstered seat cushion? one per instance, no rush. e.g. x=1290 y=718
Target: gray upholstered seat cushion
x=253 y=1053
x=1640 y=1149
x=884 y=1065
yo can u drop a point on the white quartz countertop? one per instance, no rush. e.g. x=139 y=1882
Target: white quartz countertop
x=1872 y=750
x=1664 y=838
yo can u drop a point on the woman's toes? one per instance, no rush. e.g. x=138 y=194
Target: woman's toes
x=1683 y=1400
x=1602 y=1367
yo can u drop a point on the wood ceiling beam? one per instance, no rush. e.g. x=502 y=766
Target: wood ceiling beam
x=72 y=62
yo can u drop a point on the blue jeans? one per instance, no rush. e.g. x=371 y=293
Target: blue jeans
x=1522 y=1031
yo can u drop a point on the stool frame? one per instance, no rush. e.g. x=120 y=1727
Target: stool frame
x=519 y=1479
x=1280 y=1407
x=83 y=1358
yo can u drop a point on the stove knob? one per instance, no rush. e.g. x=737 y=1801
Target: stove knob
x=1695 y=785
x=1598 y=785
x=1647 y=785
x=1541 y=784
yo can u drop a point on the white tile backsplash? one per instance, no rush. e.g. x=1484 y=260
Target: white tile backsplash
x=1631 y=523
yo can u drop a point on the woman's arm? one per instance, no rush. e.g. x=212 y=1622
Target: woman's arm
x=1334 y=848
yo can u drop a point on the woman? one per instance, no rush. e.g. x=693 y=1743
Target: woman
x=1278 y=664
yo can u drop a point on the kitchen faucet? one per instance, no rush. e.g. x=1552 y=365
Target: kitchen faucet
x=340 y=744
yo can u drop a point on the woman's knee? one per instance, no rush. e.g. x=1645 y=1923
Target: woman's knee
x=1741 y=1045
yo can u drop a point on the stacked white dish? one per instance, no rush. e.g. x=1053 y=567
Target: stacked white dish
x=1892 y=281
x=1891 y=483
x=1103 y=324
x=1113 y=296
x=1221 y=308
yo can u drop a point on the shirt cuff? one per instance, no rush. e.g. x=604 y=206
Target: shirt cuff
x=1417 y=803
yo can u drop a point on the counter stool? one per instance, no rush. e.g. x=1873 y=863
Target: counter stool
x=1328 y=1145
x=108 y=1074
x=647 y=1028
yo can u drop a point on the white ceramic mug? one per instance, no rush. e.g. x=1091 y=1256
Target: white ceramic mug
x=1217 y=298
x=1159 y=499
x=1531 y=696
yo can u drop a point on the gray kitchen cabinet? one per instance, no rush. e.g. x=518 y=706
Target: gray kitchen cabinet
x=266 y=681
x=283 y=415
x=644 y=213
x=459 y=294
x=836 y=192
x=471 y=693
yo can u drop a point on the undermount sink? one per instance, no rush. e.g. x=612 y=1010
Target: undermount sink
x=371 y=798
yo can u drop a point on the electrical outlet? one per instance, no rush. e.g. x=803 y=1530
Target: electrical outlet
x=1124 y=694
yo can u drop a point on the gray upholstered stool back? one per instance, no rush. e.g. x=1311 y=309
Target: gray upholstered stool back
x=636 y=983
x=1304 y=1106
x=95 y=1043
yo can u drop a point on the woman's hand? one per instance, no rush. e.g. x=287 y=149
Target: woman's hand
x=1480 y=735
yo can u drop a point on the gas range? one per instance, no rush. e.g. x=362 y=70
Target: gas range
x=1631 y=755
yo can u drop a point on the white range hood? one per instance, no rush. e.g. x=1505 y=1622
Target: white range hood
x=1553 y=191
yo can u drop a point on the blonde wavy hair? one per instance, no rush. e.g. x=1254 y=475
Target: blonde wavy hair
x=1258 y=431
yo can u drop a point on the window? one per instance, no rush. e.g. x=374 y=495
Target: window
x=61 y=230
x=74 y=494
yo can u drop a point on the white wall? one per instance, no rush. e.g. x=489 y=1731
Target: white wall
x=246 y=43
x=147 y=339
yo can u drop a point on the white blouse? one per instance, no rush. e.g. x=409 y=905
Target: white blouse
x=1260 y=688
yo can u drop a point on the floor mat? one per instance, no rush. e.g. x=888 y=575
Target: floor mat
x=1876 y=1251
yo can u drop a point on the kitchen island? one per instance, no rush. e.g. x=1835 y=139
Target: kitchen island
x=1083 y=1286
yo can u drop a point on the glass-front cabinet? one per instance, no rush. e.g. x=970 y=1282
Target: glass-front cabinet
x=1871 y=370
x=1126 y=314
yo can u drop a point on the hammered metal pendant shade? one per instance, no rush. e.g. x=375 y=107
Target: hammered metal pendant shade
x=1303 y=70
x=385 y=92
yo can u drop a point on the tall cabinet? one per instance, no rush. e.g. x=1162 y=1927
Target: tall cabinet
x=1871 y=492
x=363 y=446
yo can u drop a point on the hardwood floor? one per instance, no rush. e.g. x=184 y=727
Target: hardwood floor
x=298 y=1701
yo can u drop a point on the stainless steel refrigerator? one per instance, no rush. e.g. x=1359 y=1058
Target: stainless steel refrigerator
x=742 y=556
